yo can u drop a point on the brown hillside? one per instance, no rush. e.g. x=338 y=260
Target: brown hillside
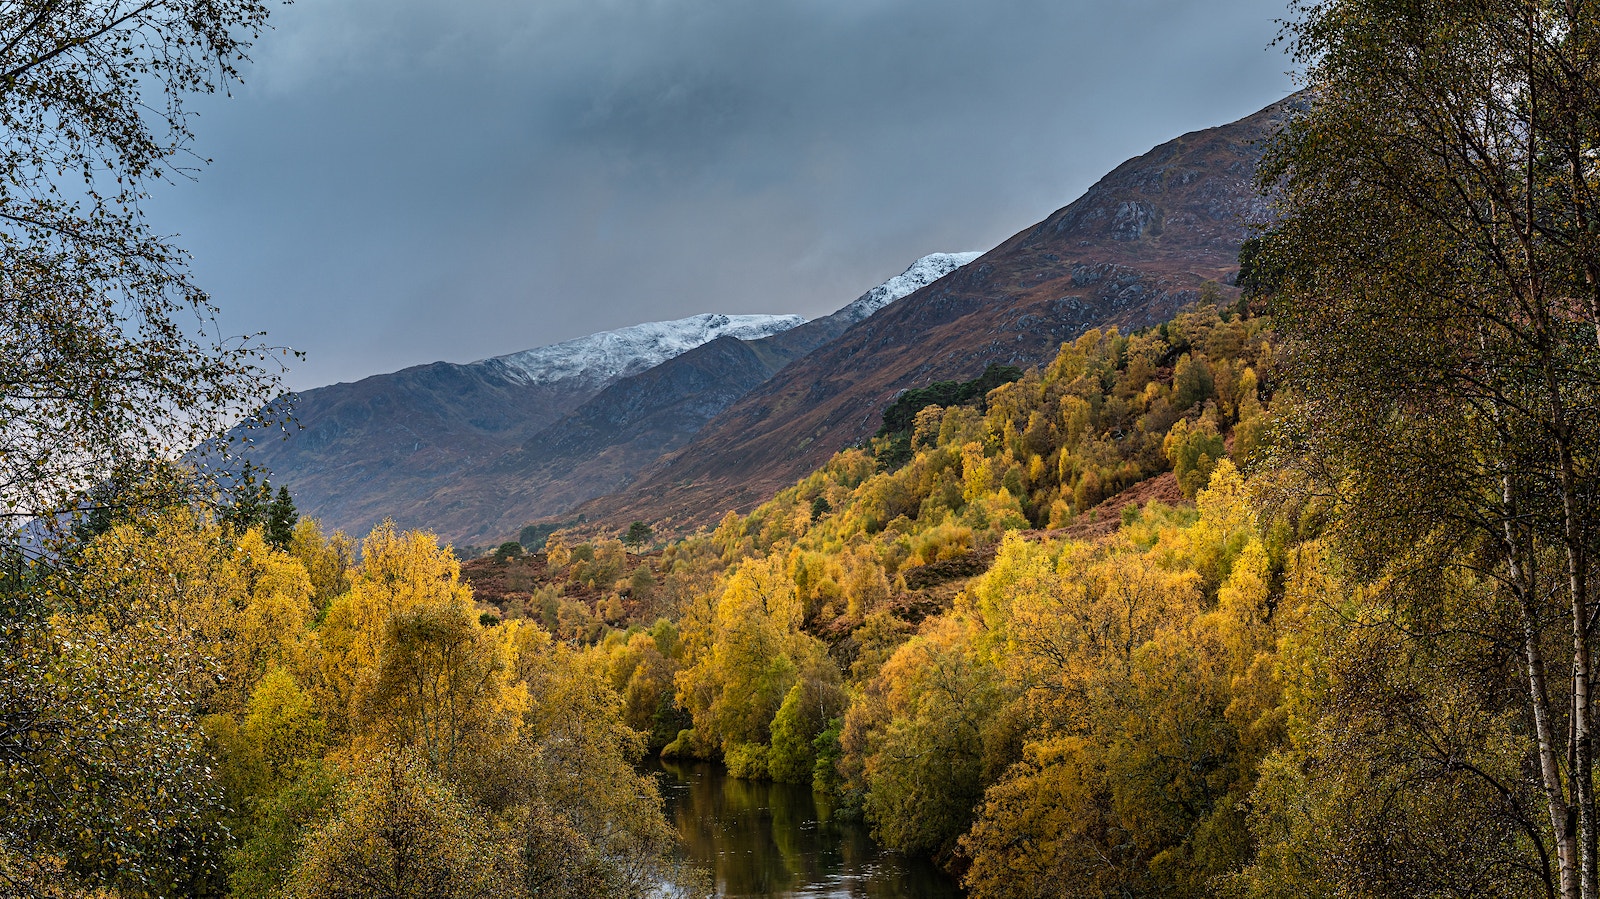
x=1130 y=252
x=379 y=447
x=620 y=432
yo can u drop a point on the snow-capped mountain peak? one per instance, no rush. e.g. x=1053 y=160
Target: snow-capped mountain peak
x=923 y=272
x=609 y=355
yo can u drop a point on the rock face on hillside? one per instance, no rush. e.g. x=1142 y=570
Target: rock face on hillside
x=382 y=446
x=1130 y=252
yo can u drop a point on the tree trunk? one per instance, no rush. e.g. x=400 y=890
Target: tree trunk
x=1563 y=817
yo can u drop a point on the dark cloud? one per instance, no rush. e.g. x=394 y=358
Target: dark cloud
x=407 y=180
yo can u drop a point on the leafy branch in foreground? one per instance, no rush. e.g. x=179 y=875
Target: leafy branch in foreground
x=109 y=356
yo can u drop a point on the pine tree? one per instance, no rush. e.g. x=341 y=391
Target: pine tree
x=281 y=519
x=248 y=501
x=638 y=534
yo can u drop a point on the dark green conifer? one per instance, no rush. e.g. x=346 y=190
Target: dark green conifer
x=638 y=534
x=281 y=517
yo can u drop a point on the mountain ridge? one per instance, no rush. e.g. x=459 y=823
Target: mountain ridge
x=608 y=355
x=376 y=447
x=473 y=451
x=1138 y=245
x=624 y=429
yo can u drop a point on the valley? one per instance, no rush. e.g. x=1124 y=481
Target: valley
x=1230 y=531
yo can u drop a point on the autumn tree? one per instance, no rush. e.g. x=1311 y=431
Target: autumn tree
x=920 y=745
x=106 y=770
x=399 y=572
x=1145 y=707
x=1438 y=284
x=642 y=671
x=816 y=700
x=736 y=687
x=1193 y=451
x=105 y=774
x=441 y=687
x=1405 y=772
x=105 y=379
x=399 y=832
x=327 y=560
x=585 y=784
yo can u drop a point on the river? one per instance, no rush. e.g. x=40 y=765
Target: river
x=779 y=841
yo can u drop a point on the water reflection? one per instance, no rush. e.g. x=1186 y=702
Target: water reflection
x=780 y=840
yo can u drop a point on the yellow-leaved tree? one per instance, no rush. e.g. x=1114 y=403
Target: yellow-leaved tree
x=1149 y=706
x=927 y=736
x=442 y=687
x=740 y=680
x=398 y=572
x=400 y=832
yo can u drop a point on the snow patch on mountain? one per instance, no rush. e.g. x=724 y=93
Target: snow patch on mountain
x=923 y=272
x=599 y=359
x=609 y=355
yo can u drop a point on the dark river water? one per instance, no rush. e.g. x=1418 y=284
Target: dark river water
x=778 y=840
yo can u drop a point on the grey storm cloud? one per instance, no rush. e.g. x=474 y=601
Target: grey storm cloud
x=400 y=181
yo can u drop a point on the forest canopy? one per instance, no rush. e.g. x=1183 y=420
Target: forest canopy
x=1291 y=594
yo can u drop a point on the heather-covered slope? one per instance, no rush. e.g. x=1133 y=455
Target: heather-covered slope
x=1135 y=247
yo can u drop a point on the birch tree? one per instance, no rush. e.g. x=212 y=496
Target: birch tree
x=1440 y=304
x=110 y=366
x=109 y=352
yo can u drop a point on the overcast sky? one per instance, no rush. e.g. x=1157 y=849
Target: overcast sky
x=402 y=181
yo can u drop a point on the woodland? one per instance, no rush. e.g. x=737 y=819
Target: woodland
x=1289 y=595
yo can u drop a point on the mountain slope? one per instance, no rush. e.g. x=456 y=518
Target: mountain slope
x=607 y=441
x=1134 y=248
x=379 y=447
